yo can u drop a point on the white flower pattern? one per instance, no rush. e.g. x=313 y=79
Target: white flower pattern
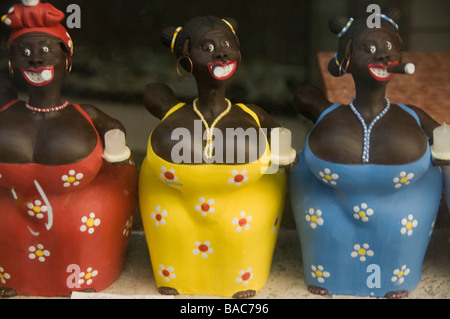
x=89 y=223
x=238 y=177
x=409 y=223
x=403 y=179
x=362 y=252
x=319 y=273
x=242 y=222
x=72 y=178
x=362 y=212
x=205 y=206
x=314 y=217
x=328 y=177
x=36 y=209
x=203 y=249
x=244 y=276
x=38 y=252
x=400 y=274
x=159 y=216
x=88 y=276
x=4 y=276
x=166 y=273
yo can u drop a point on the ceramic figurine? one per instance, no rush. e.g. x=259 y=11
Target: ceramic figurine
x=211 y=209
x=365 y=192
x=66 y=201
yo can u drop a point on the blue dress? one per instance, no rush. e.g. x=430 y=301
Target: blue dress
x=364 y=229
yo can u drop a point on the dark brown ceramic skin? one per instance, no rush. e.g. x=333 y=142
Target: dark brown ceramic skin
x=338 y=137
x=216 y=45
x=52 y=138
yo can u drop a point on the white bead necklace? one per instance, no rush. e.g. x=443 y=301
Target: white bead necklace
x=210 y=130
x=368 y=130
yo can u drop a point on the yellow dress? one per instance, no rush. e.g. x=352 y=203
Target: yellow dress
x=211 y=229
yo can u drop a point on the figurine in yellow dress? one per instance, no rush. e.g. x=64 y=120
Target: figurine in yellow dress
x=212 y=207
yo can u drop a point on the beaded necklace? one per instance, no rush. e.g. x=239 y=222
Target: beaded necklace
x=210 y=130
x=368 y=130
x=48 y=110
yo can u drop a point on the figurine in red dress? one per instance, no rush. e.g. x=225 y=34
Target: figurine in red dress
x=68 y=186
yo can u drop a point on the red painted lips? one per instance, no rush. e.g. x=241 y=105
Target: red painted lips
x=221 y=71
x=39 y=77
x=380 y=71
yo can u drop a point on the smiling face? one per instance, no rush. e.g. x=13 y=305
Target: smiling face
x=373 y=54
x=39 y=58
x=215 y=55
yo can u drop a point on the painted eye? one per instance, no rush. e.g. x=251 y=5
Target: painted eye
x=388 y=45
x=226 y=44
x=209 y=47
x=45 y=49
x=26 y=52
x=371 y=49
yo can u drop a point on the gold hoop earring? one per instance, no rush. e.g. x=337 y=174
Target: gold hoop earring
x=178 y=65
x=342 y=72
x=10 y=68
x=68 y=65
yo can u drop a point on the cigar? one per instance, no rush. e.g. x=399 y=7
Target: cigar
x=404 y=68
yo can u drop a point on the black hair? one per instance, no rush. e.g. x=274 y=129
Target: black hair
x=194 y=29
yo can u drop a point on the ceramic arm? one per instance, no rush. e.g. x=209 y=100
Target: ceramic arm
x=310 y=102
x=159 y=99
x=112 y=133
x=429 y=126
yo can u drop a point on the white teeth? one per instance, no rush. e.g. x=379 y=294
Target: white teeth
x=46 y=75
x=382 y=73
x=39 y=78
x=222 y=71
x=219 y=71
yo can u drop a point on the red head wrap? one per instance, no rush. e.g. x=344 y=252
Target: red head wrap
x=33 y=16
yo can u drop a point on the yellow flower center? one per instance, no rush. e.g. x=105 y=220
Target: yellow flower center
x=409 y=225
x=404 y=180
x=88 y=275
x=362 y=213
x=71 y=179
x=37 y=209
x=319 y=273
x=90 y=222
x=362 y=252
x=328 y=177
x=39 y=253
x=314 y=219
x=1 y=276
x=400 y=274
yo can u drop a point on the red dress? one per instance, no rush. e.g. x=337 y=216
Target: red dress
x=65 y=228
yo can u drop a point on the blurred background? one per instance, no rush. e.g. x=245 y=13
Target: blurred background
x=118 y=48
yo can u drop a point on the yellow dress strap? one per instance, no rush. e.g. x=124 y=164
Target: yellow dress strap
x=173 y=110
x=245 y=108
x=250 y=112
x=256 y=118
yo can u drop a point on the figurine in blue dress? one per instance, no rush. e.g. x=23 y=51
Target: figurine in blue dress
x=365 y=193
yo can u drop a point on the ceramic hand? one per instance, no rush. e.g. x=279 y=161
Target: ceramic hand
x=116 y=150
